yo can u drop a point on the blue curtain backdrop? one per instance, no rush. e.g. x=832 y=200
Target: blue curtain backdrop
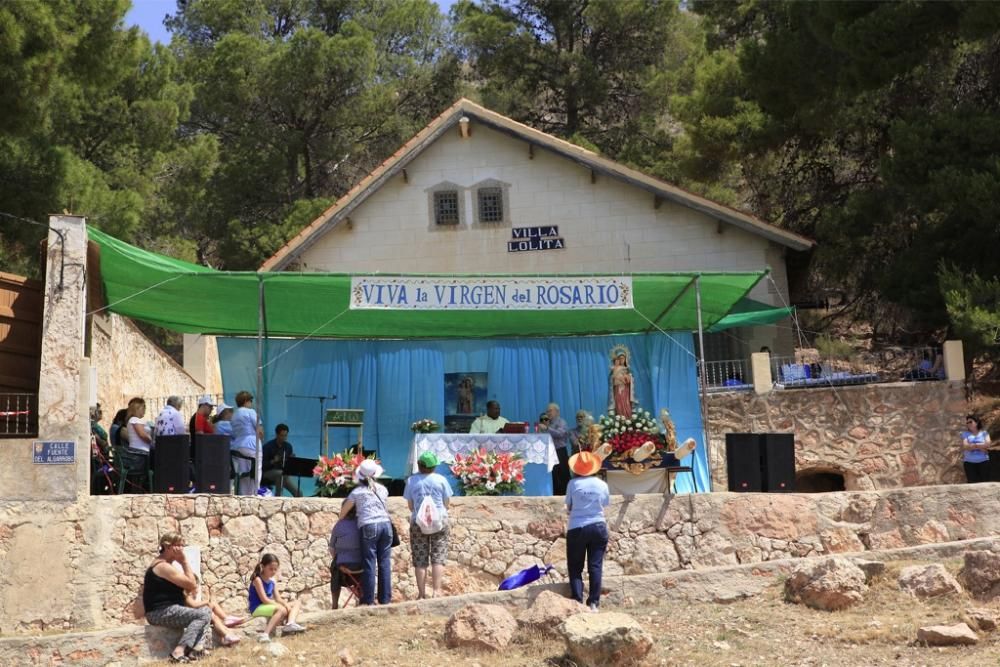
x=399 y=382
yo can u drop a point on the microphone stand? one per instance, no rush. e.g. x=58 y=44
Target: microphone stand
x=322 y=424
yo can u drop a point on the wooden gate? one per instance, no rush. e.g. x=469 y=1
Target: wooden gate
x=21 y=306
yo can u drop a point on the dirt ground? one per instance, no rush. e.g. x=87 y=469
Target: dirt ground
x=760 y=631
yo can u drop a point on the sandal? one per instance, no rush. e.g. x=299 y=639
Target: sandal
x=231 y=640
x=179 y=658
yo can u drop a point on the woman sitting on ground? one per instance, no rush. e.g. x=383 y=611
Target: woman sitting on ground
x=163 y=594
x=345 y=550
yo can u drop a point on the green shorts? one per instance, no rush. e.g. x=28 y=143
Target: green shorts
x=265 y=610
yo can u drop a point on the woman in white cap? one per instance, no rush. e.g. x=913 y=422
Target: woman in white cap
x=587 y=532
x=221 y=420
x=376 y=531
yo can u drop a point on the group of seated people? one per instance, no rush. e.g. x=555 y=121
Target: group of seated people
x=170 y=598
x=132 y=439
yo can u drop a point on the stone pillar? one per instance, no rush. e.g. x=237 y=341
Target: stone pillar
x=194 y=357
x=954 y=360
x=201 y=361
x=760 y=367
x=62 y=409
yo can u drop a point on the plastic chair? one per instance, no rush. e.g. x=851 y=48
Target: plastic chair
x=132 y=465
x=349 y=580
x=236 y=475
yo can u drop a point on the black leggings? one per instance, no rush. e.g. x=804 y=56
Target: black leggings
x=977 y=472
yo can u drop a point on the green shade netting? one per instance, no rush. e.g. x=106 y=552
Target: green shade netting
x=185 y=297
x=750 y=313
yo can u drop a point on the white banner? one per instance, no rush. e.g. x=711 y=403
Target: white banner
x=509 y=293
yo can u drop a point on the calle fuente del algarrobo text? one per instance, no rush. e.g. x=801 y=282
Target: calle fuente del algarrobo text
x=490 y=293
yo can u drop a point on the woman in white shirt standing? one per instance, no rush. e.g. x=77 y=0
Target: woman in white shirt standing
x=247 y=435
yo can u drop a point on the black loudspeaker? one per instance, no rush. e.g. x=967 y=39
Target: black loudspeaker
x=171 y=464
x=211 y=464
x=743 y=464
x=778 y=458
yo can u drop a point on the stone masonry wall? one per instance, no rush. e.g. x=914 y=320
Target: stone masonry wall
x=878 y=436
x=129 y=364
x=494 y=537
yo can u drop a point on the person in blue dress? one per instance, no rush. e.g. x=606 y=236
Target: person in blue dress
x=247 y=436
x=587 y=532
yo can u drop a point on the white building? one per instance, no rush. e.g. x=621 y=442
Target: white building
x=476 y=192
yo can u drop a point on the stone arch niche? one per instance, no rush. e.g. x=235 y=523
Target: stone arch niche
x=823 y=479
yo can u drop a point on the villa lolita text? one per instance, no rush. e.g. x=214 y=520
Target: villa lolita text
x=535 y=238
x=506 y=293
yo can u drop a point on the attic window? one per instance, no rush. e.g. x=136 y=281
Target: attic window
x=446 y=207
x=490 y=204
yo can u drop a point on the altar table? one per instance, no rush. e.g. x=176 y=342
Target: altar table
x=536 y=448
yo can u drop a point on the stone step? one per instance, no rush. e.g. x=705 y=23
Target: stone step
x=134 y=644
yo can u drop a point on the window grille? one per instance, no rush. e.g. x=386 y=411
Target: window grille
x=446 y=207
x=490 y=204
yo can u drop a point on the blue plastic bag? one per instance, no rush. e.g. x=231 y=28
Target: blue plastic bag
x=524 y=577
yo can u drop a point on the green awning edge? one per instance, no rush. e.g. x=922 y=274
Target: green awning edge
x=750 y=313
x=190 y=298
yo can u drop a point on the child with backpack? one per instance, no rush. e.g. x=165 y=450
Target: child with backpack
x=266 y=601
x=427 y=494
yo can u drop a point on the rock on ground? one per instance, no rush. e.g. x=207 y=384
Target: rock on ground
x=829 y=584
x=605 y=639
x=928 y=581
x=277 y=650
x=984 y=620
x=548 y=611
x=481 y=626
x=871 y=568
x=981 y=574
x=947 y=635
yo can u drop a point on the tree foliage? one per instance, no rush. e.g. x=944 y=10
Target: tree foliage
x=568 y=67
x=872 y=127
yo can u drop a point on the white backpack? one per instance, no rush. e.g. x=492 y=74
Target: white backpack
x=429 y=518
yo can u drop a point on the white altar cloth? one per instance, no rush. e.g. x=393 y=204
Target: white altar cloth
x=534 y=447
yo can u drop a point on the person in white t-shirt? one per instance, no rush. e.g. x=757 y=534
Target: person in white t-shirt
x=139 y=437
x=136 y=458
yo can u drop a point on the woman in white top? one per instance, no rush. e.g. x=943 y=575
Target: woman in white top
x=136 y=458
x=247 y=435
x=139 y=437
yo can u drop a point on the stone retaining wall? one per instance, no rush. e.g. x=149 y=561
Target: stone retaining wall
x=877 y=436
x=494 y=537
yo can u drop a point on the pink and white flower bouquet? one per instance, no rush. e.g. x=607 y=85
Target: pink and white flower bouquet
x=483 y=473
x=335 y=474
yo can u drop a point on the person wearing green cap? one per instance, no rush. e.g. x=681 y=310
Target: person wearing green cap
x=429 y=537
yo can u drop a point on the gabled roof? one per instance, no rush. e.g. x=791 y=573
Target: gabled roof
x=463 y=107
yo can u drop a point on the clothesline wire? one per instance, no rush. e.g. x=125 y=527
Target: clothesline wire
x=309 y=336
x=657 y=327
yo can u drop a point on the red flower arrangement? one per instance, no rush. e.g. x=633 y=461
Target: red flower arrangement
x=626 y=433
x=483 y=473
x=335 y=474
